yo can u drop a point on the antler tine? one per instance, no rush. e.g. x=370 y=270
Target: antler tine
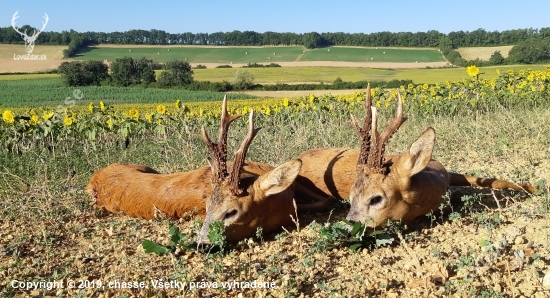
x=226 y=119
x=240 y=156
x=218 y=151
x=13 y=22
x=14 y=17
x=46 y=23
x=378 y=154
x=365 y=132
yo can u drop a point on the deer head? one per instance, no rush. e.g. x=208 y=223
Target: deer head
x=29 y=40
x=246 y=201
x=385 y=188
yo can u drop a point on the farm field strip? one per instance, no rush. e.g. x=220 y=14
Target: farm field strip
x=358 y=54
x=51 y=92
x=40 y=89
x=52 y=52
x=329 y=74
x=230 y=55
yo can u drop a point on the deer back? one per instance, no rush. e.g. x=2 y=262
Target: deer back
x=140 y=191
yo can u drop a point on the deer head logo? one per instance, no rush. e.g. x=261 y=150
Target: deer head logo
x=29 y=40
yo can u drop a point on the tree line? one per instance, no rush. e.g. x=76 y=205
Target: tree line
x=127 y=71
x=432 y=38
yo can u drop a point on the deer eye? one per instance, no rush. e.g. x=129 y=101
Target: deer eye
x=375 y=200
x=230 y=214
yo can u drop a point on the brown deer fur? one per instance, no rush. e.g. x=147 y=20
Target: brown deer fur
x=139 y=191
x=393 y=187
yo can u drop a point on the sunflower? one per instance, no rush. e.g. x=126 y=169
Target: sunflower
x=34 y=120
x=133 y=113
x=285 y=102
x=472 y=71
x=68 y=121
x=109 y=123
x=47 y=115
x=161 y=109
x=8 y=117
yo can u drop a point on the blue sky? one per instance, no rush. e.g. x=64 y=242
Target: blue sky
x=350 y=16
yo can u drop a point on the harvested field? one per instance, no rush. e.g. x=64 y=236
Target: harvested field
x=483 y=53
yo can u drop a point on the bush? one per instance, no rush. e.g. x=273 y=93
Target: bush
x=200 y=66
x=83 y=73
x=259 y=65
x=243 y=80
x=455 y=58
x=496 y=58
x=224 y=66
x=176 y=73
x=224 y=86
x=128 y=71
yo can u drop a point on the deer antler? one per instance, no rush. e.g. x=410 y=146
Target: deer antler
x=241 y=154
x=373 y=145
x=218 y=150
x=364 y=132
x=43 y=24
x=13 y=23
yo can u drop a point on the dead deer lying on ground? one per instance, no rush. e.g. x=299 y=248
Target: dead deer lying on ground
x=244 y=202
x=253 y=195
x=140 y=191
x=387 y=187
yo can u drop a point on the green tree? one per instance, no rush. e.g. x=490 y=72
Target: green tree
x=243 y=80
x=83 y=73
x=533 y=50
x=496 y=58
x=128 y=71
x=176 y=73
x=312 y=40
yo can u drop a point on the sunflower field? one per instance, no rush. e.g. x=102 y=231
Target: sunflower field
x=20 y=126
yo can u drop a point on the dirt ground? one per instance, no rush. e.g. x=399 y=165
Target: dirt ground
x=495 y=245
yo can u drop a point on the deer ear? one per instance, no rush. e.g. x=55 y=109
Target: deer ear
x=420 y=153
x=280 y=178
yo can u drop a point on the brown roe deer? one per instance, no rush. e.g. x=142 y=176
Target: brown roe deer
x=381 y=188
x=253 y=195
x=140 y=191
x=246 y=201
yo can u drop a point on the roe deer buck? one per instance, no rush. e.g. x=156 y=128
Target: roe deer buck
x=140 y=191
x=244 y=202
x=254 y=195
x=386 y=187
